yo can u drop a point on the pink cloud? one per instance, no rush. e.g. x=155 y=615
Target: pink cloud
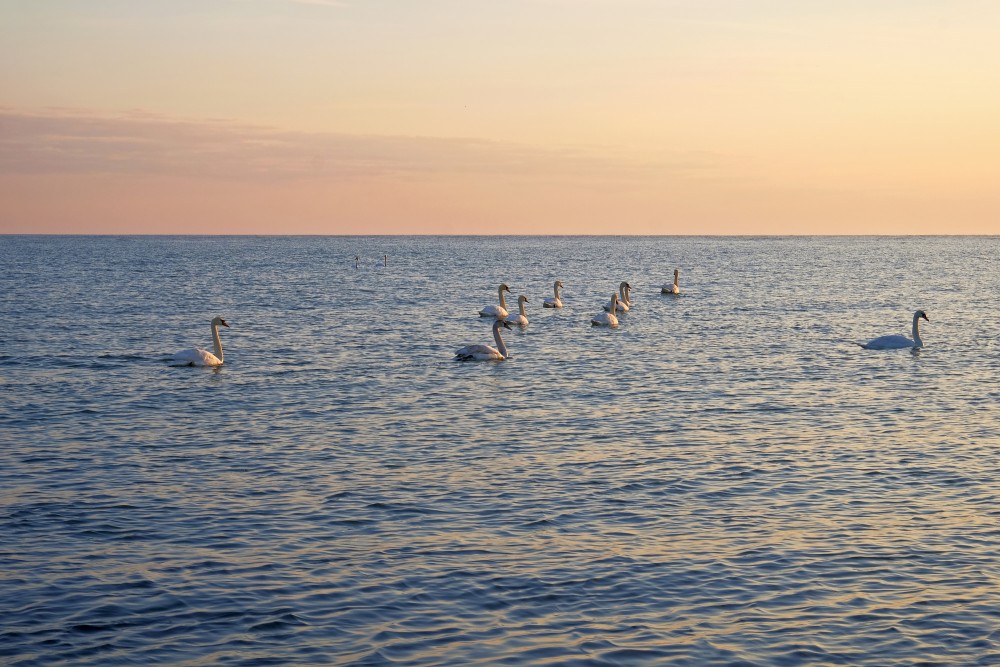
x=66 y=141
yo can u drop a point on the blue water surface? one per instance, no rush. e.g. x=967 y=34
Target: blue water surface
x=726 y=479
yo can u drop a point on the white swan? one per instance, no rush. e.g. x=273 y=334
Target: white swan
x=499 y=312
x=556 y=302
x=485 y=352
x=622 y=302
x=521 y=318
x=198 y=357
x=672 y=289
x=608 y=318
x=897 y=342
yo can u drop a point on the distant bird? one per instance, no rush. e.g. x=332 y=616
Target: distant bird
x=672 y=289
x=896 y=341
x=622 y=303
x=485 y=352
x=555 y=302
x=521 y=319
x=499 y=312
x=608 y=318
x=356 y=260
x=199 y=357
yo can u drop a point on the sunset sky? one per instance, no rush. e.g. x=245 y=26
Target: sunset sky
x=523 y=116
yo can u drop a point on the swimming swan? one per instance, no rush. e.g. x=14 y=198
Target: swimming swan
x=485 y=352
x=197 y=356
x=556 y=302
x=897 y=342
x=623 y=301
x=672 y=289
x=500 y=311
x=520 y=319
x=607 y=319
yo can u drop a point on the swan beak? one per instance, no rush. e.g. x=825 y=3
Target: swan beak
x=223 y=323
x=924 y=315
x=506 y=325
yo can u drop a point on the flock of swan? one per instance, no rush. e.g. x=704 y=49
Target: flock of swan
x=608 y=317
x=620 y=302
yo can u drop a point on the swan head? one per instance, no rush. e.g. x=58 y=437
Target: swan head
x=504 y=288
x=559 y=283
x=219 y=321
x=522 y=299
x=500 y=323
x=921 y=314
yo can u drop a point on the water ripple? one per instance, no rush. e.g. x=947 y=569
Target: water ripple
x=725 y=480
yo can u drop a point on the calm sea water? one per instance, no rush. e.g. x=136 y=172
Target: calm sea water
x=725 y=480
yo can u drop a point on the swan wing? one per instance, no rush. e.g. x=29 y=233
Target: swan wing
x=604 y=320
x=518 y=319
x=494 y=311
x=195 y=357
x=552 y=303
x=894 y=342
x=478 y=352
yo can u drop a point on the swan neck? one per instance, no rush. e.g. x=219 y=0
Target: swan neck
x=503 y=302
x=916 y=332
x=555 y=288
x=217 y=341
x=496 y=336
x=520 y=306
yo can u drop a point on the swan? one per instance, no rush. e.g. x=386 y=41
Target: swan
x=672 y=289
x=485 y=352
x=607 y=319
x=499 y=312
x=521 y=319
x=198 y=357
x=555 y=302
x=897 y=342
x=623 y=303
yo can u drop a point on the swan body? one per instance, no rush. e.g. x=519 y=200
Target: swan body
x=672 y=289
x=622 y=301
x=199 y=357
x=521 y=318
x=607 y=318
x=555 y=302
x=485 y=352
x=897 y=342
x=499 y=312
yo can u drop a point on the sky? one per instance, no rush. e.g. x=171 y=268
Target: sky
x=514 y=117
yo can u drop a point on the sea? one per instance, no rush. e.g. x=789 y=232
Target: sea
x=727 y=478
